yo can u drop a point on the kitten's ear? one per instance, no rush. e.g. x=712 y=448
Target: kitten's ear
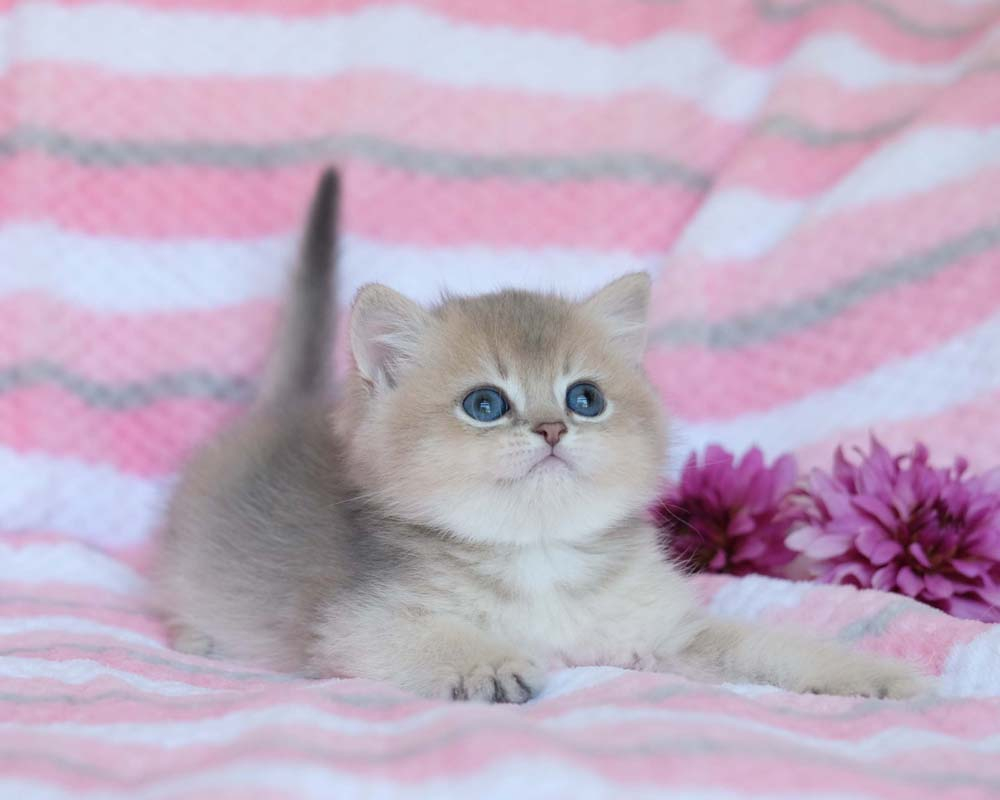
x=385 y=333
x=622 y=306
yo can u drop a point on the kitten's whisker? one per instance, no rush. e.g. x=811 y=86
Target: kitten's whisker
x=682 y=521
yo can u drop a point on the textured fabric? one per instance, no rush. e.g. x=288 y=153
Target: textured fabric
x=92 y=704
x=814 y=184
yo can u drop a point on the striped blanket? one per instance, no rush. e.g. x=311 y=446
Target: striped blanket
x=814 y=185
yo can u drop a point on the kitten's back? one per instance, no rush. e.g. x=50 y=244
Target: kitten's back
x=260 y=512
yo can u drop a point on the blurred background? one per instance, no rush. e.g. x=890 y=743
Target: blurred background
x=813 y=184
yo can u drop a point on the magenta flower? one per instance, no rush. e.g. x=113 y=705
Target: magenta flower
x=899 y=524
x=728 y=517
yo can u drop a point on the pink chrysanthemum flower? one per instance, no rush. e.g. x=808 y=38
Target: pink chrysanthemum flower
x=899 y=524
x=729 y=517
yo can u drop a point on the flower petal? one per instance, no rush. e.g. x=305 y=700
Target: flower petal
x=741 y=524
x=938 y=586
x=884 y=552
x=749 y=548
x=826 y=546
x=909 y=582
x=877 y=509
x=970 y=569
x=801 y=538
x=885 y=579
x=851 y=572
x=917 y=551
x=785 y=471
x=970 y=608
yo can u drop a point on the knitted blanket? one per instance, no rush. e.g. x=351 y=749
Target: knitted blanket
x=813 y=184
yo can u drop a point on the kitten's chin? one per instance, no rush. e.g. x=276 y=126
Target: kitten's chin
x=545 y=506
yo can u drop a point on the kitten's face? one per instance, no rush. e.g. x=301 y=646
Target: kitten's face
x=510 y=417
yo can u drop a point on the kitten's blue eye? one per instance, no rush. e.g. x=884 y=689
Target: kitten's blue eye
x=585 y=399
x=485 y=405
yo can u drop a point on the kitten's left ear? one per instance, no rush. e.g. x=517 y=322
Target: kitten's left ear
x=622 y=306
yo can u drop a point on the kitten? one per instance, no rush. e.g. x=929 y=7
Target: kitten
x=470 y=513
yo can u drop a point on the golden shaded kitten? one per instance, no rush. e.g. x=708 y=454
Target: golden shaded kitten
x=470 y=513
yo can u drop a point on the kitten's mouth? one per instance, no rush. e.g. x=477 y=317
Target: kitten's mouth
x=549 y=463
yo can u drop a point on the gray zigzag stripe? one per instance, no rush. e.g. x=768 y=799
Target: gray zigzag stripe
x=442 y=163
x=117 y=153
x=132 y=394
x=791 y=128
x=768 y=9
x=801 y=314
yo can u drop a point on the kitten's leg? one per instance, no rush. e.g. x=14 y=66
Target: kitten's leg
x=438 y=657
x=738 y=651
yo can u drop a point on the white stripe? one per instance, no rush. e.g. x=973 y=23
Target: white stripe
x=87 y=501
x=71 y=626
x=109 y=274
x=749 y=597
x=743 y=223
x=957 y=372
x=434 y=48
x=65 y=562
x=973 y=668
x=79 y=671
x=924 y=159
x=424 y=273
x=524 y=777
x=739 y=223
x=842 y=58
x=396 y=38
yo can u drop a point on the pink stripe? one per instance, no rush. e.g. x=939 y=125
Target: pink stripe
x=151 y=441
x=479 y=121
x=157 y=202
x=134 y=623
x=151 y=663
x=965 y=720
x=830 y=251
x=630 y=754
x=442 y=117
x=785 y=168
x=759 y=377
x=826 y=104
x=89 y=602
x=226 y=341
x=957 y=431
x=911 y=636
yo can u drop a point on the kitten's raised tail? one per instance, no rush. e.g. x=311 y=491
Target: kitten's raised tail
x=299 y=367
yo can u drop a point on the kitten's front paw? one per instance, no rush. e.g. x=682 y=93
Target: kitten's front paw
x=512 y=680
x=867 y=677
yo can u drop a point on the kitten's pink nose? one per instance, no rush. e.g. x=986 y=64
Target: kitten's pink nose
x=552 y=431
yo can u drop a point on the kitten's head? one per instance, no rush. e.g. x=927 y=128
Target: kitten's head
x=511 y=417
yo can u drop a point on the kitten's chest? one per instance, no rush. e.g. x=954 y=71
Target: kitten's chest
x=569 y=607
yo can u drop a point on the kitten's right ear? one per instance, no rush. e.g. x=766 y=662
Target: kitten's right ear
x=385 y=333
x=622 y=306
